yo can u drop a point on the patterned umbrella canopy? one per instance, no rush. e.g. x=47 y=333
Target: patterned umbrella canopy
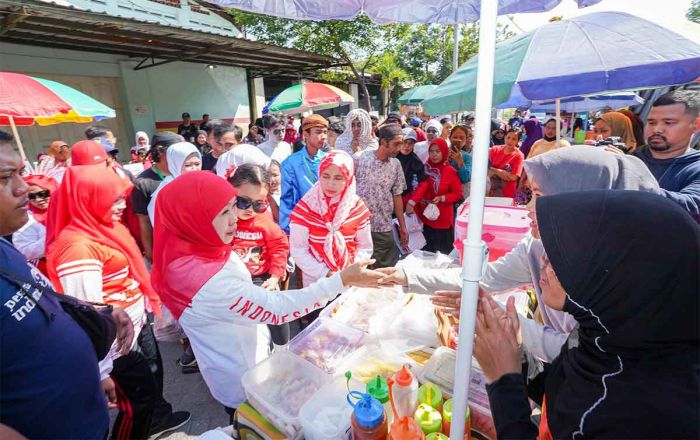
x=308 y=96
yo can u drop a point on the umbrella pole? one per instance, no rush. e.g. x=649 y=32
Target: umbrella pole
x=15 y=133
x=475 y=251
x=558 y=116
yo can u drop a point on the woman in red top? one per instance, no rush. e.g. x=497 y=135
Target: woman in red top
x=259 y=241
x=442 y=188
x=506 y=166
x=94 y=258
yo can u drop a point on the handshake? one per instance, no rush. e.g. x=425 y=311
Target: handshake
x=358 y=275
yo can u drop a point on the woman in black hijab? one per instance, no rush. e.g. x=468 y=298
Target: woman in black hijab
x=200 y=141
x=413 y=168
x=631 y=369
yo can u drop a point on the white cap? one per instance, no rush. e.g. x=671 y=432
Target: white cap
x=409 y=133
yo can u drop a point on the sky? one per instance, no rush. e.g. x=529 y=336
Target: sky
x=667 y=13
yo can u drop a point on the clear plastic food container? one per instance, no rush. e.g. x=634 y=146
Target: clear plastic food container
x=279 y=386
x=327 y=344
x=326 y=416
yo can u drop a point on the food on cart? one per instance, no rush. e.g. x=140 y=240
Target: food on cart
x=327 y=344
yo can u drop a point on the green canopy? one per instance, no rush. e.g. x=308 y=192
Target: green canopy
x=458 y=92
x=416 y=95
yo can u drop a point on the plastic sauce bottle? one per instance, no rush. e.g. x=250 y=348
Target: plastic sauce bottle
x=436 y=436
x=405 y=392
x=428 y=419
x=431 y=395
x=403 y=428
x=368 y=420
x=379 y=389
x=447 y=420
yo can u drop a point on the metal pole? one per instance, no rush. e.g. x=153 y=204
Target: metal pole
x=558 y=117
x=475 y=252
x=455 y=48
x=455 y=59
x=15 y=133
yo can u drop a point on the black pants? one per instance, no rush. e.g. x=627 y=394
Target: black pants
x=438 y=240
x=138 y=377
x=278 y=333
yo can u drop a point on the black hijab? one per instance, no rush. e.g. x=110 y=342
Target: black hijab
x=632 y=370
x=412 y=166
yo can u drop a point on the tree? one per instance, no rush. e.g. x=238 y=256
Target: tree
x=392 y=74
x=693 y=13
x=357 y=44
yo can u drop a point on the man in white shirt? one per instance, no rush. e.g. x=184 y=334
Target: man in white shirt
x=274 y=146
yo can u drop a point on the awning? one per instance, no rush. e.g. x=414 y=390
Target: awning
x=62 y=25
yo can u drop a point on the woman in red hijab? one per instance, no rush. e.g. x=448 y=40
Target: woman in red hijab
x=209 y=289
x=30 y=239
x=329 y=227
x=94 y=258
x=435 y=198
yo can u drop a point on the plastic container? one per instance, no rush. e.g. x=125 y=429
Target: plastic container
x=447 y=420
x=379 y=389
x=368 y=420
x=406 y=429
x=428 y=418
x=370 y=310
x=431 y=395
x=504 y=227
x=326 y=415
x=440 y=370
x=437 y=436
x=279 y=386
x=327 y=344
x=405 y=392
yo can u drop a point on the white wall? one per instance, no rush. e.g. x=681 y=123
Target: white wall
x=142 y=98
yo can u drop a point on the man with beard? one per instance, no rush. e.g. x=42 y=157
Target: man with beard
x=548 y=141
x=671 y=123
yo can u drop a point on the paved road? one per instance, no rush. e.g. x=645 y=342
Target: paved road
x=188 y=392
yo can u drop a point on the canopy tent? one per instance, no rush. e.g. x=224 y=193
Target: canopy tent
x=307 y=96
x=25 y=100
x=443 y=12
x=391 y=11
x=593 y=53
x=416 y=95
x=576 y=103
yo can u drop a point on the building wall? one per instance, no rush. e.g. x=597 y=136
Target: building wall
x=144 y=100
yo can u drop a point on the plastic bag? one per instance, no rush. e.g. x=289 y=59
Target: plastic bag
x=432 y=212
x=166 y=328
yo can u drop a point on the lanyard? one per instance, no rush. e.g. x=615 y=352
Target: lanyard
x=157 y=171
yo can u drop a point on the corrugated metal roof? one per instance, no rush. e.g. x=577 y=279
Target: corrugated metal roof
x=156 y=39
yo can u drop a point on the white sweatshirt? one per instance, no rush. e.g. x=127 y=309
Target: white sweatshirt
x=221 y=323
x=30 y=239
x=520 y=266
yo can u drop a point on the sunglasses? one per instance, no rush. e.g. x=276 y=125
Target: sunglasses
x=39 y=195
x=432 y=130
x=258 y=206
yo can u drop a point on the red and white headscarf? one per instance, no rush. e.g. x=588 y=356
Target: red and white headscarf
x=333 y=223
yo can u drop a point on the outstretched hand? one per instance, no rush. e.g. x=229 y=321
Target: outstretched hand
x=393 y=276
x=496 y=342
x=358 y=275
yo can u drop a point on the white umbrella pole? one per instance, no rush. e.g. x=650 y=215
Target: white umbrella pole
x=474 y=247
x=558 y=117
x=455 y=48
x=15 y=133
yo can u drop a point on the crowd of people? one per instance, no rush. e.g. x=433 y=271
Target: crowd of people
x=217 y=233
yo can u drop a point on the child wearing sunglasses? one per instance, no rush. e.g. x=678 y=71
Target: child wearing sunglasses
x=259 y=241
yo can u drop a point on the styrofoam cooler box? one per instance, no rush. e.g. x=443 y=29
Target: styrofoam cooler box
x=504 y=227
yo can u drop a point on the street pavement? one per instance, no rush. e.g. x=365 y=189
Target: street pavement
x=188 y=392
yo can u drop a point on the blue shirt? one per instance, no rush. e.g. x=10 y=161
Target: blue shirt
x=299 y=174
x=465 y=173
x=49 y=377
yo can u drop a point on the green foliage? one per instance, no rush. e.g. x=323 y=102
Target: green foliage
x=693 y=13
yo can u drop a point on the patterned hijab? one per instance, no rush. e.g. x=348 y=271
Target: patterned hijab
x=333 y=223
